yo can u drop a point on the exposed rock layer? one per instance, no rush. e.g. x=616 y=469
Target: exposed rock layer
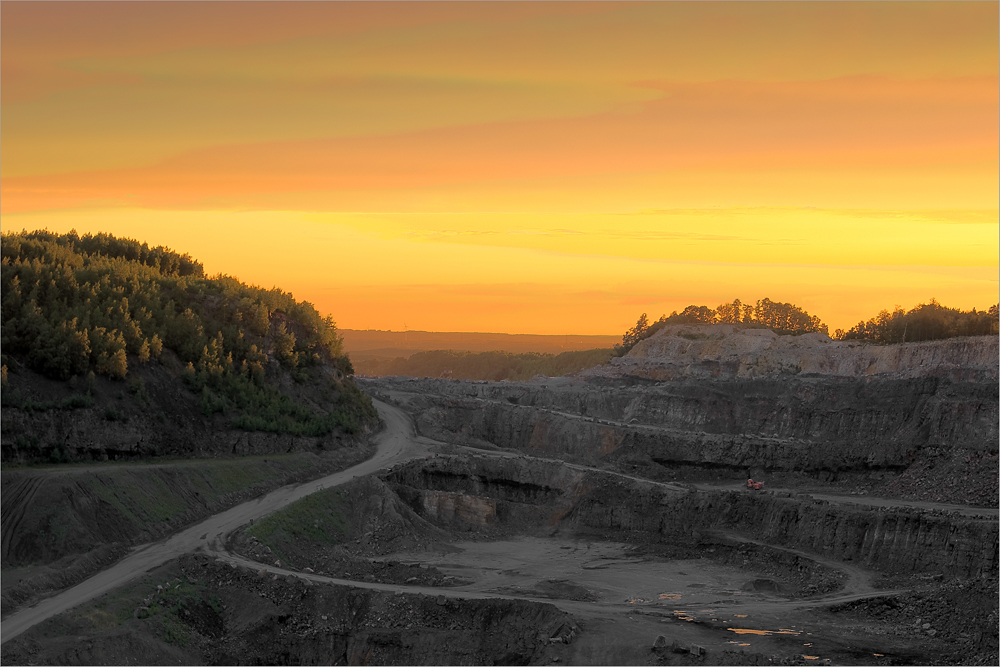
x=513 y=494
x=728 y=351
x=792 y=424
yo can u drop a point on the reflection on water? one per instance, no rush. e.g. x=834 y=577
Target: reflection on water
x=670 y=596
x=763 y=633
x=811 y=657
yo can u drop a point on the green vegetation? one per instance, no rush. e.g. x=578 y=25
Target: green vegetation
x=75 y=306
x=13 y=399
x=782 y=318
x=926 y=321
x=165 y=604
x=167 y=611
x=492 y=366
x=317 y=519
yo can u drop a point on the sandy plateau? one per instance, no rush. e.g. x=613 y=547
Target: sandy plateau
x=601 y=519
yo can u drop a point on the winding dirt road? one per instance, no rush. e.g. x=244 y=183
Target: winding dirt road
x=397 y=443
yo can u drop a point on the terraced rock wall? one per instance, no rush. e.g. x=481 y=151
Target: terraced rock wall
x=897 y=541
x=798 y=424
x=517 y=495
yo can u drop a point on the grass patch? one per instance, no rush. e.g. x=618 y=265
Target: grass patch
x=109 y=491
x=319 y=519
x=159 y=610
x=101 y=619
x=165 y=612
x=13 y=399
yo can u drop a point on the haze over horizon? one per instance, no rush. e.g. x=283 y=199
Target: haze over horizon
x=554 y=168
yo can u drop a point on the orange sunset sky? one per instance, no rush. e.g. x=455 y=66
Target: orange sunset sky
x=521 y=167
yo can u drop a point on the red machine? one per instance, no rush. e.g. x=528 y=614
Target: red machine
x=756 y=486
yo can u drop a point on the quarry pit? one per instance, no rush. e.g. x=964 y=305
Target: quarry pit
x=605 y=519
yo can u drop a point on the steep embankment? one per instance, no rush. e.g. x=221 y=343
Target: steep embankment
x=727 y=351
x=156 y=413
x=513 y=496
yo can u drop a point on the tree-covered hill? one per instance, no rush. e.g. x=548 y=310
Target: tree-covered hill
x=79 y=310
x=782 y=318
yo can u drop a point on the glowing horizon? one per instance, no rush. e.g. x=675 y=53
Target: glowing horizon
x=549 y=168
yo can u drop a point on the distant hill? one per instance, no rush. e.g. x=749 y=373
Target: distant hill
x=491 y=366
x=111 y=348
x=367 y=344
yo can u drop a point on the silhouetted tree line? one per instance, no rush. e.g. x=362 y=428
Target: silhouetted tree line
x=492 y=366
x=782 y=318
x=926 y=321
x=97 y=303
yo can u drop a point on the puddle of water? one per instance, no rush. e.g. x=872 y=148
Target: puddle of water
x=683 y=615
x=670 y=596
x=740 y=615
x=635 y=600
x=738 y=643
x=763 y=633
x=811 y=657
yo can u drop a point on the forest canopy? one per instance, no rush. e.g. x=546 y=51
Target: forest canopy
x=925 y=321
x=74 y=305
